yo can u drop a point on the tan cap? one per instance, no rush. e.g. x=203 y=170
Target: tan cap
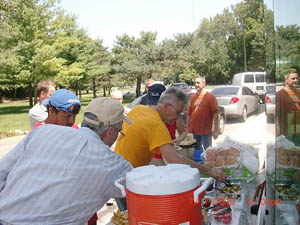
x=107 y=110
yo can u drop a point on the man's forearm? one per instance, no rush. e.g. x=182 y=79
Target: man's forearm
x=215 y=122
x=176 y=158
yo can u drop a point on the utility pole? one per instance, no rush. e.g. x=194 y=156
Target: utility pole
x=245 y=52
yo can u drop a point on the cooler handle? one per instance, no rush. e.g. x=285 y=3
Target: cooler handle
x=206 y=183
x=120 y=186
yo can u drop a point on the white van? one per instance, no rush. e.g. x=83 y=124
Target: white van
x=256 y=81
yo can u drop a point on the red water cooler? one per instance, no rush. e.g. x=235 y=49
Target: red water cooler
x=164 y=195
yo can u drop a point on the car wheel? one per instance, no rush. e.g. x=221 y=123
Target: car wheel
x=222 y=124
x=258 y=108
x=244 y=114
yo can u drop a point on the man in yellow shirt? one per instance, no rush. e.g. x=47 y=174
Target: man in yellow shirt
x=148 y=134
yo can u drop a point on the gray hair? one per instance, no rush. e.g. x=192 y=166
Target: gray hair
x=96 y=128
x=286 y=76
x=201 y=77
x=172 y=95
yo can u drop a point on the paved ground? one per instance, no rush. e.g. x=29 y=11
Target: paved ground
x=8 y=143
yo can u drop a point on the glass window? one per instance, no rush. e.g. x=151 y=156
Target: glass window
x=270 y=89
x=259 y=77
x=249 y=78
x=225 y=91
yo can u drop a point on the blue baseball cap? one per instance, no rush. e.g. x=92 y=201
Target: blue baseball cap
x=63 y=99
x=154 y=93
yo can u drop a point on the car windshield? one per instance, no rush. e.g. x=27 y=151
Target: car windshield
x=225 y=91
x=270 y=89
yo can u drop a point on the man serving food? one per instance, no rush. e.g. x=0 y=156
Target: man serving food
x=148 y=134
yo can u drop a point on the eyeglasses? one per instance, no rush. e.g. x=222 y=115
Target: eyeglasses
x=179 y=113
x=120 y=131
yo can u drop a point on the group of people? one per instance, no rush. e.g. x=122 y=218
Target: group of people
x=61 y=175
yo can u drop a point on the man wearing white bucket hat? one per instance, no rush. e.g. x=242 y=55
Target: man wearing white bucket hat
x=59 y=175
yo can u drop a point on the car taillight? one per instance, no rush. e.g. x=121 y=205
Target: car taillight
x=268 y=100
x=234 y=100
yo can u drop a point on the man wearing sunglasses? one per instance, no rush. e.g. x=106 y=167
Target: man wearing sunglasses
x=62 y=107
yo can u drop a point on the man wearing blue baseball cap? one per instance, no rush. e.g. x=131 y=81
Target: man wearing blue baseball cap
x=62 y=108
x=59 y=175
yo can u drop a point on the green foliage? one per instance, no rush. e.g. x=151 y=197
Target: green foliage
x=287 y=49
x=40 y=41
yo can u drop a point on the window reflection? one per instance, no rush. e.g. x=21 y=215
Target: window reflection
x=282 y=57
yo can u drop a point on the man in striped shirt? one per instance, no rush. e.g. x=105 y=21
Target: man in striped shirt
x=60 y=175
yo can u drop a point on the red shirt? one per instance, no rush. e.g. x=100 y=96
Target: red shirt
x=201 y=112
x=287 y=104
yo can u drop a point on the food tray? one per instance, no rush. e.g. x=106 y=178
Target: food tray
x=233 y=192
x=287 y=192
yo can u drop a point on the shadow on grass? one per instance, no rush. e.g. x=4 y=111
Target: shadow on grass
x=14 y=110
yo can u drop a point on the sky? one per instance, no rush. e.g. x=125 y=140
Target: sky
x=105 y=19
x=286 y=12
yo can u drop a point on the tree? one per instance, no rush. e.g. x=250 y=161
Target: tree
x=287 y=49
x=134 y=59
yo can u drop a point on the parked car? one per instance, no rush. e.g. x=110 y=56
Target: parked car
x=270 y=102
x=129 y=95
x=256 y=81
x=182 y=86
x=238 y=101
x=222 y=116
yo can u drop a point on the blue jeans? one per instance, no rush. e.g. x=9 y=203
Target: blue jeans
x=203 y=141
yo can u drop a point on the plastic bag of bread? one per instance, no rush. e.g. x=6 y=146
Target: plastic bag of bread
x=223 y=157
x=232 y=154
x=120 y=218
x=287 y=154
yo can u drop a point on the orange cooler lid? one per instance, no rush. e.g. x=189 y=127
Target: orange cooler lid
x=162 y=180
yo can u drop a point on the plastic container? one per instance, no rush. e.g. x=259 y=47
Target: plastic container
x=222 y=218
x=199 y=155
x=164 y=195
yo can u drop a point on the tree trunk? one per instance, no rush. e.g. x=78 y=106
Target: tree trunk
x=15 y=93
x=104 y=91
x=138 y=86
x=35 y=99
x=94 y=88
x=1 y=96
x=76 y=87
x=30 y=95
x=79 y=93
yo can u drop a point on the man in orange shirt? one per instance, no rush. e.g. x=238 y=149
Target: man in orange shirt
x=288 y=107
x=202 y=116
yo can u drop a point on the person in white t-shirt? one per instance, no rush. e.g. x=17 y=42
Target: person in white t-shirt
x=38 y=113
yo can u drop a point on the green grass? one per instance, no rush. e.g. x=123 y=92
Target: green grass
x=14 y=115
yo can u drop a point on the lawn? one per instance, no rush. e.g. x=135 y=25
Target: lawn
x=14 y=116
